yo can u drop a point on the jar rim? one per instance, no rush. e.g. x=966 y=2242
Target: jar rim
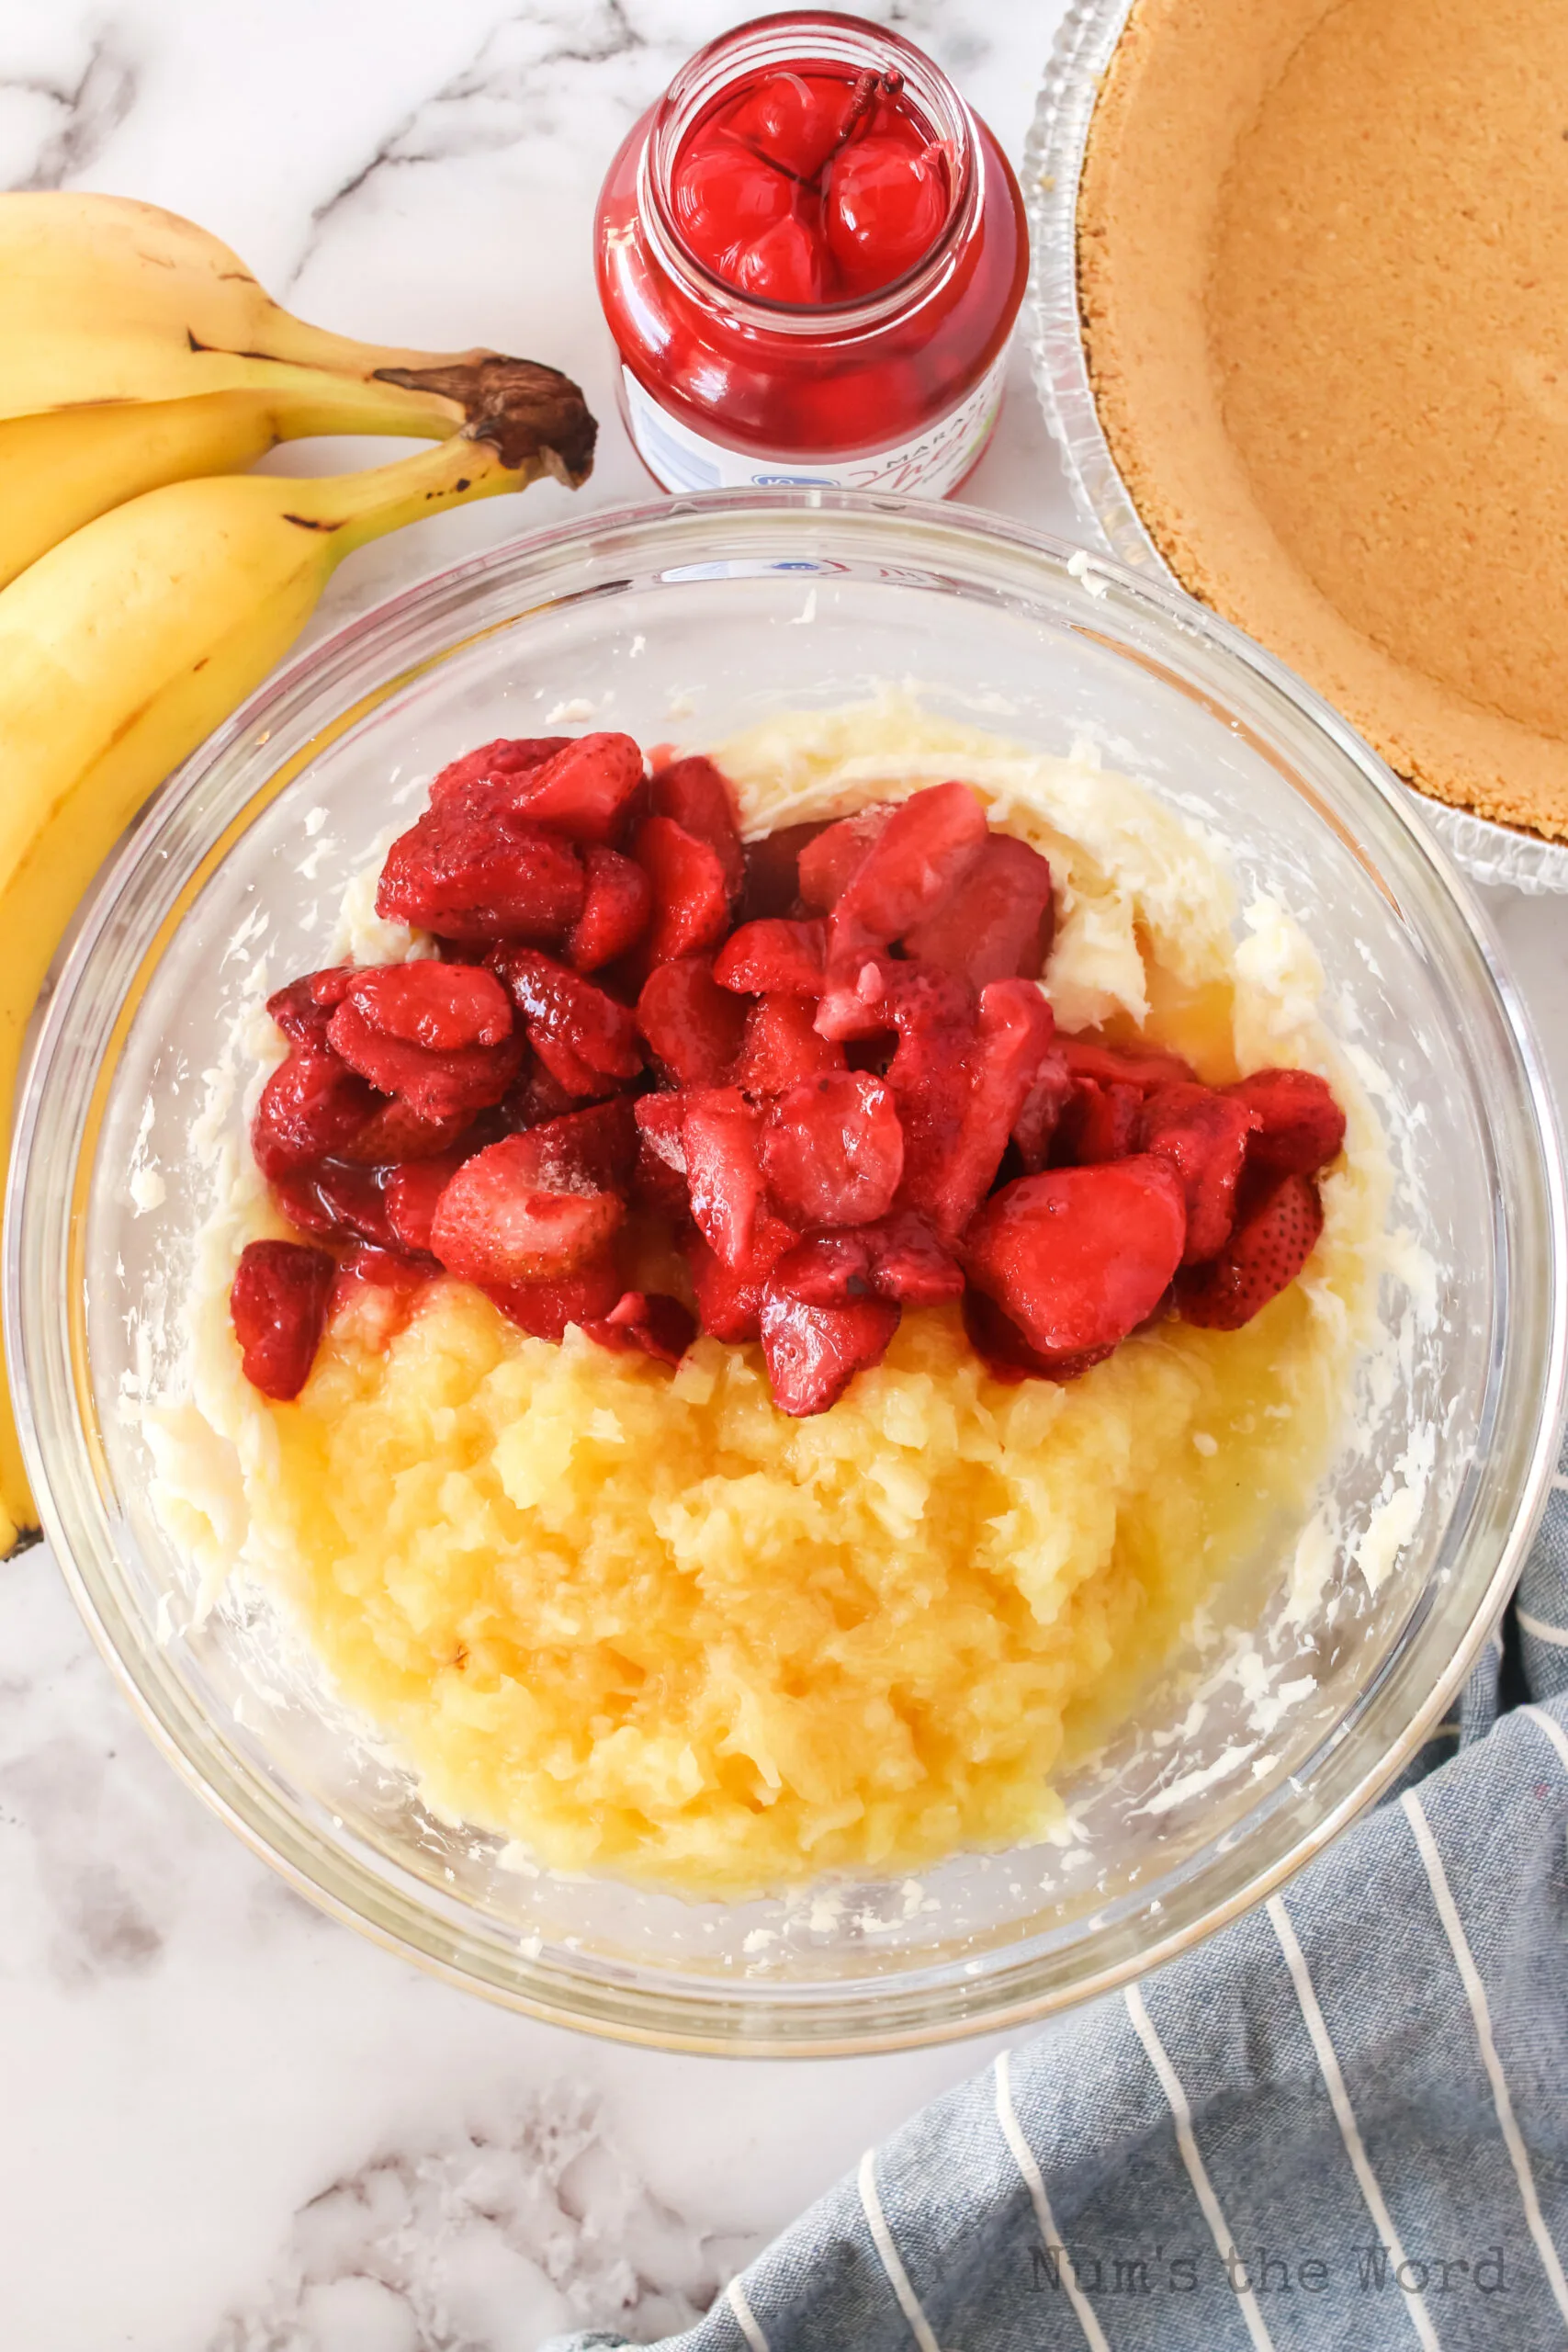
x=776 y=41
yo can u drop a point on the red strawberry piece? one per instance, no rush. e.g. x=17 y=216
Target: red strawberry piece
x=278 y=1304
x=1099 y=1121
x=1108 y=1065
x=1008 y=1354
x=1275 y=1235
x=702 y=802
x=833 y=1149
x=1205 y=1137
x=1081 y=1256
x=593 y=1149
x=814 y=1353
x=825 y=865
x=509 y=1216
x=694 y=1026
x=650 y=1323
x=775 y=956
x=482 y=782
x=998 y=923
x=412 y=1192
x=312 y=1105
x=438 y=1006
x=913 y=867
x=691 y=903
x=936 y=1017
x=615 y=912
x=462 y=877
x=436 y=1086
x=1011 y=1042
x=719 y=1139
x=729 y=1298
x=334 y=1202
x=536 y=1098
x=1035 y=1129
x=782 y=1047
x=395 y=1133
x=303 y=1009
x=1299 y=1126
x=658 y=1177
x=545 y=1308
x=898 y=1257
x=772 y=871
x=583 y=1036
x=381 y=1270
x=586 y=790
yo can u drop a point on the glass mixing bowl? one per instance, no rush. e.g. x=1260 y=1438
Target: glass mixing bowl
x=686 y=620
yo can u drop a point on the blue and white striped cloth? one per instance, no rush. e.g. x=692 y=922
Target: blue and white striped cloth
x=1342 y=2122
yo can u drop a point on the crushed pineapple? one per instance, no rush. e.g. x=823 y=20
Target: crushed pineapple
x=646 y=1625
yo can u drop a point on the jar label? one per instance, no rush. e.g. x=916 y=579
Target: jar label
x=931 y=462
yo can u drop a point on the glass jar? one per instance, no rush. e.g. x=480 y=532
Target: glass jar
x=897 y=390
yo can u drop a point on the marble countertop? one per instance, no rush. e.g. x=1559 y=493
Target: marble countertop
x=227 y=2124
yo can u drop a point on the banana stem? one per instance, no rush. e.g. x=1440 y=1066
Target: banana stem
x=357 y=508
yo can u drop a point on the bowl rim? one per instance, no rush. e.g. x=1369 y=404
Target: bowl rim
x=1086 y=41
x=816 y=2021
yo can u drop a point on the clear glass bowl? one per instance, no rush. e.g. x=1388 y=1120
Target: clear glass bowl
x=688 y=619
x=1052 y=165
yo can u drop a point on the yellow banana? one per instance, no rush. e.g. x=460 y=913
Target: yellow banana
x=137 y=350
x=127 y=644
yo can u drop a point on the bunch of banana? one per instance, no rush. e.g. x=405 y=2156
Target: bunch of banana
x=146 y=586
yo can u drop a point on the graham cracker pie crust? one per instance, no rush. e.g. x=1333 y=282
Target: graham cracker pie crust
x=1323 y=271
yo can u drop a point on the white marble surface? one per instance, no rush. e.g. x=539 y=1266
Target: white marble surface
x=226 y=2124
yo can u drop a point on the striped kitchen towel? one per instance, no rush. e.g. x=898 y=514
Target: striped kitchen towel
x=1342 y=2122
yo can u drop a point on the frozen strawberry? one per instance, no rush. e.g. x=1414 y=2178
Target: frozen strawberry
x=879 y=993
x=1275 y=1234
x=615 y=912
x=772 y=871
x=1034 y=1129
x=1205 y=1137
x=438 y=1006
x=833 y=1149
x=436 y=1086
x=1008 y=1354
x=1081 y=1256
x=412 y=1192
x=691 y=902
x=660 y=1123
x=702 y=802
x=583 y=1036
x=278 y=1305
x=937 y=1021
x=592 y=1150
x=694 y=1026
x=825 y=865
x=719 y=1137
x=303 y=1009
x=1108 y=1066
x=335 y=1203
x=1099 y=1121
x=1300 y=1127
x=780 y=1046
x=586 y=790
x=545 y=1308
x=775 y=956
x=1011 y=1042
x=649 y=1323
x=463 y=877
x=814 y=1353
x=395 y=1133
x=535 y=1097
x=998 y=923
x=484 y=782
x=729 y=1299
x=509 y=1217
x=913 y=867
x=897 y=1258
x=312 y=1105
